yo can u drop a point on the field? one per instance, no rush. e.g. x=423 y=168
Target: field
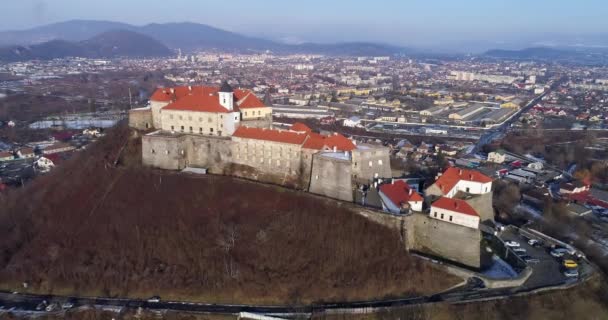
x=103 y=225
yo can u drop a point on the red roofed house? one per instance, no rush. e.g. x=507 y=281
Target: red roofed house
x=455 y=211
x=468 y=185
x=455 y=180
x=398 y=197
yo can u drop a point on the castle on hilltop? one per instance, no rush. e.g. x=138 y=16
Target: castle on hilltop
x=229 y=131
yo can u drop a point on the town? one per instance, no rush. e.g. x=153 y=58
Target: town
x=492 y=169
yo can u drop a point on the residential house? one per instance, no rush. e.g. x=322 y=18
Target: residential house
x=6 y=156
x=398 y=197
x=25 y=153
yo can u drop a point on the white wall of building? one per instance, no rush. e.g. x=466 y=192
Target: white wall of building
x=454 y=217
x=471 y=187
x=227 y=100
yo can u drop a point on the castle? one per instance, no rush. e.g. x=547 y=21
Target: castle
x=229 y=131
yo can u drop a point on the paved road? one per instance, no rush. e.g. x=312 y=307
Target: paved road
x=467 y=293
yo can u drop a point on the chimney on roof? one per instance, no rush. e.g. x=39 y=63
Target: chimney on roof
x=456 y=204
x=172 y=90
x=392 y=181
x=459 y=172
x=190 y=88
x=335 y=149
x=410 y=192
x=471 y=176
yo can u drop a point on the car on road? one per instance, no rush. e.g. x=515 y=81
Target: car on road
x=570 y=264
x=535 y=242
x=67 y=305
x=519 y=250
x=41 y=305
x=511 y=243
x=154 y=299
x=571 y=273
x=52 y=307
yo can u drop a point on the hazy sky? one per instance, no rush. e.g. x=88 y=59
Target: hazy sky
x=417 y=22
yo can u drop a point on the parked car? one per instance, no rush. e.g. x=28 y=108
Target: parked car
x=570 y=264
x=559 y=252
x=571 y=273
x=510 y=243
x=535 y=242
x=154 y=299
x=519 y=250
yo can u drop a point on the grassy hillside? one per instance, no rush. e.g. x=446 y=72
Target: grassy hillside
x=95 y=228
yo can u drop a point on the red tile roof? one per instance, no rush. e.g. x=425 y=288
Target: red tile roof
x=452 y=175
x=308 y=140
x=270 y=135
x=400 y=192
x=249 y=101
x=243 y=98
x=202 y=103
x=300 y=127
x=320 y=142
x=455 y=205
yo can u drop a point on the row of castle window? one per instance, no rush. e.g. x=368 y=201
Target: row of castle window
x=371 y=163
x=200 y=119
x=253 y=113
x=200 y=130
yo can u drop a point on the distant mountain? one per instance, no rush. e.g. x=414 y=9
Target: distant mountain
x=531 y=53
x=73 y=30
x=188 y=37
x=577 y=56
x=126 y=43
x=118 y=43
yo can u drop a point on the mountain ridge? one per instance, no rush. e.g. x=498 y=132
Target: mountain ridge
x=188 y=36
x=108 y=44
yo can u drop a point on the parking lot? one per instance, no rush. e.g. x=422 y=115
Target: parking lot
x=548 y=270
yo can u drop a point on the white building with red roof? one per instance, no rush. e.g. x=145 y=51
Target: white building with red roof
x=455 y=211
x=470 y=186
x=455 y=180
x=398 y=197
x=200 y=110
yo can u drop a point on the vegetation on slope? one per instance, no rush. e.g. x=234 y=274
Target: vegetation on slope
x=103 y=225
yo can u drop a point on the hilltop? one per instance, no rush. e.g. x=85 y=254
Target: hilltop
x=103 y=225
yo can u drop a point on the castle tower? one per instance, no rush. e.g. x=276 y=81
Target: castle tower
x=226 y=96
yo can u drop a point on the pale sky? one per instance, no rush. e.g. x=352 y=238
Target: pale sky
x=401 y=22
